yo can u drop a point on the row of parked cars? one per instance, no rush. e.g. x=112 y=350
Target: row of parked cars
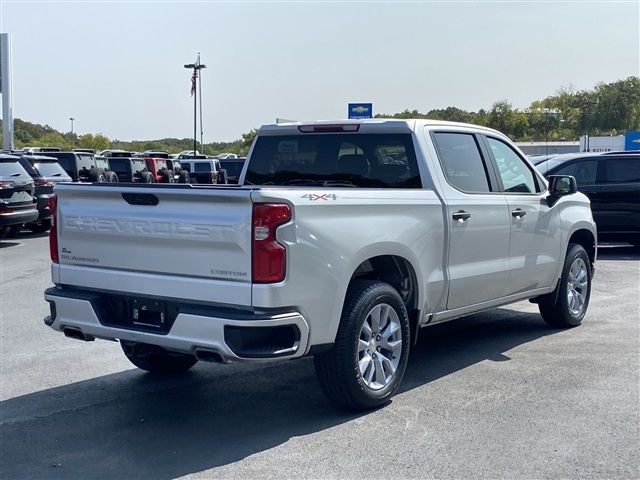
x=27 y=178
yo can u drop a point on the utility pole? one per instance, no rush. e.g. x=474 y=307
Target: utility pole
x=196 y=67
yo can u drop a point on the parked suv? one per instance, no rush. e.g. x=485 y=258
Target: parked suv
x=84 y=167
x=17 y=205
x=128 y=169
x=160 y=171
x=611 y=180
x=204 y=170
x=46 y=172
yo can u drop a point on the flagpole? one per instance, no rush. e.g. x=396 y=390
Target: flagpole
x=200 y=91
x=194 y=93
x=195 y=109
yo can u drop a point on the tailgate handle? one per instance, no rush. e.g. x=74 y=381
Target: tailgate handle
x=140 y=199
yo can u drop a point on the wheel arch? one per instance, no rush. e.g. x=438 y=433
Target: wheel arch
x=398 y=272
x=585 y=238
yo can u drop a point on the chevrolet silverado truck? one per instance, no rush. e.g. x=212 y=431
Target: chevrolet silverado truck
x=342 y=241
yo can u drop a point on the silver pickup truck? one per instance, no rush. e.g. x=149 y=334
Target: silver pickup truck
x=342 y=240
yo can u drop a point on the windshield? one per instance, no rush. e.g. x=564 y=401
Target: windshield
x=357 y=160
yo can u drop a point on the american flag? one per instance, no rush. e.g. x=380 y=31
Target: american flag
x=194 y=79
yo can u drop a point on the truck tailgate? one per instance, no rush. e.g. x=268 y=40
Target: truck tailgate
x=128 y=238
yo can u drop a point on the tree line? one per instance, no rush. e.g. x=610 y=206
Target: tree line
x=606 y=109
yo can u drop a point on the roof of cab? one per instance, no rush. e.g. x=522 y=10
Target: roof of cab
x=389 y=125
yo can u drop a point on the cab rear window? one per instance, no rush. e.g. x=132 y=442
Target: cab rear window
x=356 y=160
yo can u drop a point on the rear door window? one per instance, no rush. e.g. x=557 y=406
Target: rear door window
x=120 y=166
x=10 y=168
x=49 y=169
x=359 y=160
x=461 y=161
x=622 y=170
x=85 y=162
x=584 y=171
x=201 y=167
x=137 y=165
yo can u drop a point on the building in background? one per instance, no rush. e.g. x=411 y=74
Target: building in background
x=629 y=141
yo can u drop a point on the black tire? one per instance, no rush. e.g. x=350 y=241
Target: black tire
x=183 y=177
x=146 y=177
x=167 y=177
x=112 y=177
x=4 y=231
x=157 y=360
x=338 y=369
x=41 y=226
x=556 y=308
x=97 y=175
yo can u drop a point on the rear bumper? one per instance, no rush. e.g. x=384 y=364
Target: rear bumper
x=197 y=331
x=17 y=217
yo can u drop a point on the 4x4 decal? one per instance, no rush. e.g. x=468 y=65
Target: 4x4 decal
x=314 y=196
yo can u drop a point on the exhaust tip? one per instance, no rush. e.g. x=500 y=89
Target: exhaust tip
x=77 y=334
x=208 y=356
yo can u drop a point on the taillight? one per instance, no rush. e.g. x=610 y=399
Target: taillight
x=42 y=181
x=53 y=231
x=269 y=258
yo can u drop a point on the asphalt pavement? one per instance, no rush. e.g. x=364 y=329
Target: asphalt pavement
x=494 y=395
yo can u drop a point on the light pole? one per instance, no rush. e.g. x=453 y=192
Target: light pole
x=194 y=93
x=72 y=119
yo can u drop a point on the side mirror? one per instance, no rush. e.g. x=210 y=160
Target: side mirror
x=560 y=185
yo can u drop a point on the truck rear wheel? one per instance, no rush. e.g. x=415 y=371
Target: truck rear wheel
x=155 y=359
x=365 y=366
x=567 y=305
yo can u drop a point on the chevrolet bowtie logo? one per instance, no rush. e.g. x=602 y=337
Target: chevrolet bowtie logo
x=360 y=109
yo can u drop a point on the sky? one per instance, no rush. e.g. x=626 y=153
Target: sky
x=117 y=67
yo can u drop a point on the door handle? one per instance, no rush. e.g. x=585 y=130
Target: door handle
x=461 y=216
x=518 y=213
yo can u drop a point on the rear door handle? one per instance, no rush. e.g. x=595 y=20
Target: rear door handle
x=461 y=216
x=518 y=213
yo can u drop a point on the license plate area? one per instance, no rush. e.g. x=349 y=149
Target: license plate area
x=149 y=313
x=136 y=313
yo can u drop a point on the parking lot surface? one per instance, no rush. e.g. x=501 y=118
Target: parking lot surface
x=494 y=395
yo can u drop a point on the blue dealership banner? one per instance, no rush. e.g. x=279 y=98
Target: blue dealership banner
x=632 y=140
x=360 y=110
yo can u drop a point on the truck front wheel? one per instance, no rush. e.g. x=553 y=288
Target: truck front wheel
x=365 y=366
x=567 y=305
x=155 y=359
